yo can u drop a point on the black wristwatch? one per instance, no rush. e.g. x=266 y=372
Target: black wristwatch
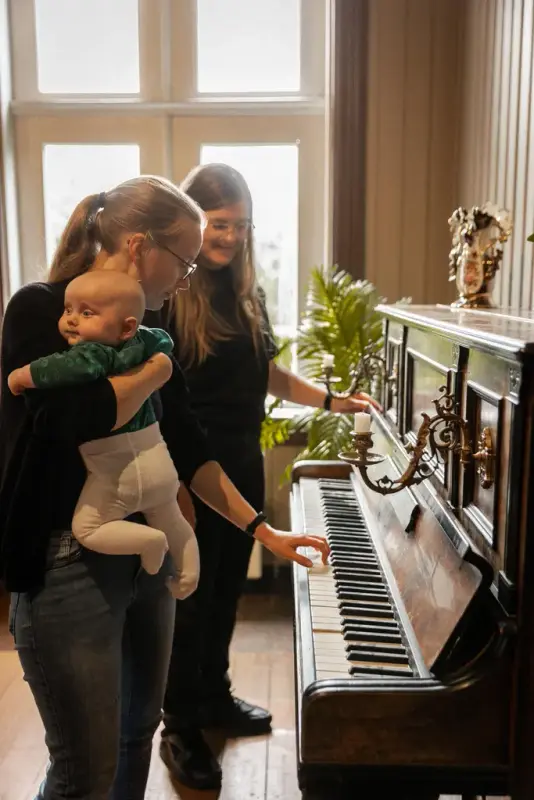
x=328 y=402
x=256 y=522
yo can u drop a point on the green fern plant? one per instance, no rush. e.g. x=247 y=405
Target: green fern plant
x=340 y=319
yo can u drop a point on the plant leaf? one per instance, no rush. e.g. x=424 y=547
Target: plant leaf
x=339 y=319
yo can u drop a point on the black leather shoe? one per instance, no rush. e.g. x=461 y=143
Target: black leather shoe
x=237 y=718
x=189 y=759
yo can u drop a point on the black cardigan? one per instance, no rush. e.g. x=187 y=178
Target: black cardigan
x=41 y=471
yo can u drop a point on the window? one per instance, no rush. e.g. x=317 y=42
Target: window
x=264 y=36
x=78 y=54
x=271 y=172
x=72 y=171
x=104 y=90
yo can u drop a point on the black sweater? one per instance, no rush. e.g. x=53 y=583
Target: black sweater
x=229 y=387
x=41 y=471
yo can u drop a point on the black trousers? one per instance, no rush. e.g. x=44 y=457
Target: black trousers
x=198 y=672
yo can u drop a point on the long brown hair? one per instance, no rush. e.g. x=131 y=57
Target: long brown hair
x=198 y=327
x=146 y=203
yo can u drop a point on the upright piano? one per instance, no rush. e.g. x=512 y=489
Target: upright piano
x=414 y=647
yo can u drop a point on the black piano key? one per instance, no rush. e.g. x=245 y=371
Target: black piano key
x=379 y=625
x=346 y=607
x=367 y=577
x=378 y=605
x=359 y=580
x=375 y=669
x=380 y=637
x=367 y=569
x=382 y=656
x=365 y=558
x=347 y=559
x=350 y=559
x=354 y=594
x=348 y=547
x=350 y=540
x=350 y=576
x=350 y=582
x=336 y=526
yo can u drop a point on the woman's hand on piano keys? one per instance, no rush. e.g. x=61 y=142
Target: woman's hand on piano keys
x=284 y=545
x=359 y=402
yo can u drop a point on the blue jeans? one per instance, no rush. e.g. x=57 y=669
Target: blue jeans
x=94 y=644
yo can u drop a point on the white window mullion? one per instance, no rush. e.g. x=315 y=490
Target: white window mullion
x=311 y=203
x=313 y=16
x=23 y=49
x=184 y=49
x=155 y=51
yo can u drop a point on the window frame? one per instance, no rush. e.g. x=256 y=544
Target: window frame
x=168 y=67
x=190 y=133
x=167 y=103
x=32 y=133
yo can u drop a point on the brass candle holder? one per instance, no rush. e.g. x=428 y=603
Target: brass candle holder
x=371 y=370
x=446 y=432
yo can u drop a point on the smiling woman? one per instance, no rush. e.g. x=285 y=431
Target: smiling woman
x=225 y=344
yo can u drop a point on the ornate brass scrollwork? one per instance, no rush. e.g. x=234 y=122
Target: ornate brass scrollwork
x=445 y=432
x=371 y=369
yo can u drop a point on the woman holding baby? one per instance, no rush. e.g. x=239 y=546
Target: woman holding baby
x=94 y=631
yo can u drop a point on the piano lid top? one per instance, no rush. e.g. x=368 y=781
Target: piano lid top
x=496 y=329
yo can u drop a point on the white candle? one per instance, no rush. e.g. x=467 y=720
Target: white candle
x=328 y=361
x=362 y=422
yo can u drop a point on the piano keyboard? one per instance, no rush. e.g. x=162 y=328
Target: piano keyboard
x=354 y=621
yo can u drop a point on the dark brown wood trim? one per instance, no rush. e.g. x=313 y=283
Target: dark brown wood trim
x=348 y=120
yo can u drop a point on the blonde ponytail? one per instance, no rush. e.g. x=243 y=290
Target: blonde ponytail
x=77 y=247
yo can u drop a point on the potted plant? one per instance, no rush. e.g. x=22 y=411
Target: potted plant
x=339 y=319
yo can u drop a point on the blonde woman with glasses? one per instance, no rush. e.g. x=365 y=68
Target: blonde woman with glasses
x=93 y=631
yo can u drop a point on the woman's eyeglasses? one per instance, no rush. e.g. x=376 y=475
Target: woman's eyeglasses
x=184 y=282
x=223 y=228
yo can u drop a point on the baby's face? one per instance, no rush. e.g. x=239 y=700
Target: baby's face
x=92 y=318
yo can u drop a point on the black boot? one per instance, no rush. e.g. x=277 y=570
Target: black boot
x=189 y=759
x=236 y=717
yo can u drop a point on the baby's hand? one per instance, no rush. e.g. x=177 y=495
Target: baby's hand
x=19 y=380
x=182 y=587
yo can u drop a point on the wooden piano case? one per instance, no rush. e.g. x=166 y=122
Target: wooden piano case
x=486 y=359
x=465 y=575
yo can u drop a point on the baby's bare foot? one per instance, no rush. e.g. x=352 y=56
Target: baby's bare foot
x=153 y=555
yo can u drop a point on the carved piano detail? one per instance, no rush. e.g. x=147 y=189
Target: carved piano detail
x=414 y=648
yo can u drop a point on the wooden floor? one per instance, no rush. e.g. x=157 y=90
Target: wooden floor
x=253 y=769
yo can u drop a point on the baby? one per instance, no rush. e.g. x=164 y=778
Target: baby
x=131 y=470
